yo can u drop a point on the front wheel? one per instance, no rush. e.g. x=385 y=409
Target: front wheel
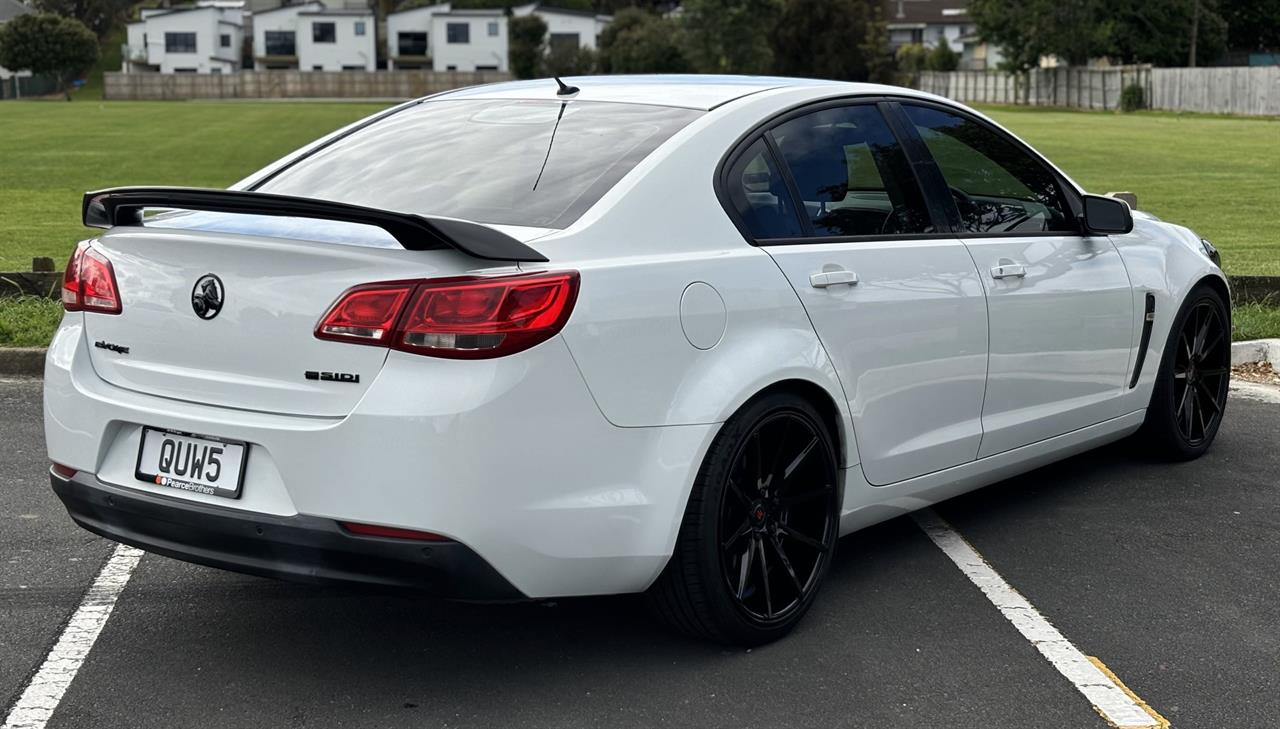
x=760 y=528
x=1190 y=394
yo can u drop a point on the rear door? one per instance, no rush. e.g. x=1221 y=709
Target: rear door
x=897 y=304
x=1061 y=309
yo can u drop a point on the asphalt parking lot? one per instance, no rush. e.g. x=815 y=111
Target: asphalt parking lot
x=1167 y=574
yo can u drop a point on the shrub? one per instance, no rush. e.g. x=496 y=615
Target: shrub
x=1133 y=97
x=942 y=58
x=527 y=44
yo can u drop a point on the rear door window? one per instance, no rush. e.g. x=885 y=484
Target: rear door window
x=504 y=162
x=851 y=174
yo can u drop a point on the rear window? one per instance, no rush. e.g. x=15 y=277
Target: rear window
x=505 y=162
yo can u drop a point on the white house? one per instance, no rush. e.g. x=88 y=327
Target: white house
x=337 y=40
x=409 y=36
x=572 y=28
x=203 y=38
x=10 y=9
x=928 y=22
x=469 y=40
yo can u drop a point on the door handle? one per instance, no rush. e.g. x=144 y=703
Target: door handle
x=832 y=278
x=1008 y=270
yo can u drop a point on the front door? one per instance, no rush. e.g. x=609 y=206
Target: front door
x=898 y=305
x=1060 y=306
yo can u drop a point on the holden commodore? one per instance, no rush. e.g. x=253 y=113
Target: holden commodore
x=662 y=335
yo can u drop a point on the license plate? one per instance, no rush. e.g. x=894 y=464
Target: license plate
x=199 y=463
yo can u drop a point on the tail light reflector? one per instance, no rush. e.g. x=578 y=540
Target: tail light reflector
x=457 y=318
x=372 y=530
x=89 y=283
x=63 y=471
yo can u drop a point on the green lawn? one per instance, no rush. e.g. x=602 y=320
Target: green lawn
x=51 y=152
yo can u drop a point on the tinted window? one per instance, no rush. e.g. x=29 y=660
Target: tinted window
x=280 y=43
x=179 y=42
x=851 y=174
x=538 y=163
x=412 y=44
x=457 y=33
x=759 y=195
x=324 y=32
x=996 y=185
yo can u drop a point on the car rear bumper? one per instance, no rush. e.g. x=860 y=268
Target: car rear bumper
x=298 y=548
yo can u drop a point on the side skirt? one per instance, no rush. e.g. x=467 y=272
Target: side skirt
x=865 y=505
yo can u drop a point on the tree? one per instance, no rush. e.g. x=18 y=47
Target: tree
x=835 y=39
x=1160 y=32
x=1027 y=30
x=569 y=60
x=98 y=16
x=527 y=43
x=1252 y=25
x=48 y=45
x=641 y=42
x=730 y=36
x=942 y=58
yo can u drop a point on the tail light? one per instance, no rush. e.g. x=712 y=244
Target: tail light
x=373 y=530
x=89 y=283
x=457 y=318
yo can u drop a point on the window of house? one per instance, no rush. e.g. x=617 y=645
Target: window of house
x=851 y=174
x=225 y=40
x=359 y=27
x=281 y=43
x=317 y=68
x=563 y=42
x=179 y=42
x=996 y=185
x=324 y=33
x=457 y=32
x=216 y=69
x=186 y=70
x=411 y=44
x=486 y=68
x=493 y=29
x=353 y=68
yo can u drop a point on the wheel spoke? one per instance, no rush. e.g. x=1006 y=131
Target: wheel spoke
x=793 y=499
x=786 y=565
x=1202 y=333
x=1182 y=403
x=795 y=463
x=1189 y=396
x=1217 y=337
x=758 y=543
x=739 y=534
x=737 y=491
x=1213 y=401
x=803 y=539
x=744 y=571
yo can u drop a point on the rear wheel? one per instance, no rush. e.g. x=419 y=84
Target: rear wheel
x=759 y=530
x=1190 y=394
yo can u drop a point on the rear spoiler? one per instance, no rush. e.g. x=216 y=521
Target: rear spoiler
x=124 y=206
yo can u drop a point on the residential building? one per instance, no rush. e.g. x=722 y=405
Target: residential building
x=10 y=9
x=409 y=36
x=572 y=28
x=469 y=40
x=927 y=22
x=202 y=38
x=314 y=37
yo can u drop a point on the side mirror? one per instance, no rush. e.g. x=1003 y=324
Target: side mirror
x=1106 y=216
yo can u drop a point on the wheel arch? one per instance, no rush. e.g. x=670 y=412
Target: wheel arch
x=833 y=417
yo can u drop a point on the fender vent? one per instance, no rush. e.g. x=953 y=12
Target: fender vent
x=1148 y=319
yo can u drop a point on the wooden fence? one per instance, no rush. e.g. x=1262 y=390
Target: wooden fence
x=292 y=84
x=1248 y=90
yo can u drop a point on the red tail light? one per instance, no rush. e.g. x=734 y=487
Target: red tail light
x=372 y=530
x=89 y=283
x=459 y=318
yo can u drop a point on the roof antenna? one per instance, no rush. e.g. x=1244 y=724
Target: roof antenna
x=565 y=89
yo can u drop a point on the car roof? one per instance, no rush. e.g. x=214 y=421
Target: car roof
x=704 y=92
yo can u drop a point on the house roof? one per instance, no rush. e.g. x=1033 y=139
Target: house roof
x=918 y=13
x=299 y=6
x=421 y=8
x=352 y=13
x=461 y=12
x=10 y=9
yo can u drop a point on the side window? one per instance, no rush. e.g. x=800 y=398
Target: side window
x=996 y=185
x=851 y=173
x=759 y=195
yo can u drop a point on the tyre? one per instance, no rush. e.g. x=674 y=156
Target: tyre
x=760 y=528
x=1190 y=395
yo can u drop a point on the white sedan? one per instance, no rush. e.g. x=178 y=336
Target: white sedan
x=671 y=335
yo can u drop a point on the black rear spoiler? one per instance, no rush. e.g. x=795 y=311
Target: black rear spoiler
x=124 y=205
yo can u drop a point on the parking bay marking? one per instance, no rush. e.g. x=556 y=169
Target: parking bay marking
x=45 y=690
x=1110 y=698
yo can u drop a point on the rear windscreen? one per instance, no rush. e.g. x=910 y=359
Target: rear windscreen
x=505 y=162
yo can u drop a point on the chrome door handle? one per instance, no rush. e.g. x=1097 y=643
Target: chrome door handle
x=832 y=278
x=1009 y=270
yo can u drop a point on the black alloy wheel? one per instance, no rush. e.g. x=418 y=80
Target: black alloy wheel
x=760 y=528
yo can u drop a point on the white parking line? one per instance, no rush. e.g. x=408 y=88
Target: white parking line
x=1108 y=697
x=46 y=688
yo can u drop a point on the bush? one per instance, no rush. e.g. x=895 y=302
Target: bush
x=641 y=42
x=569 y=60
x=1133 y=97
x=942 y=58
x=528 y=43
x=48 y=45
x=912 y=58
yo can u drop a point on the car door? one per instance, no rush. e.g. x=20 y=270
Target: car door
x=1059 y=303
x=897 y=302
